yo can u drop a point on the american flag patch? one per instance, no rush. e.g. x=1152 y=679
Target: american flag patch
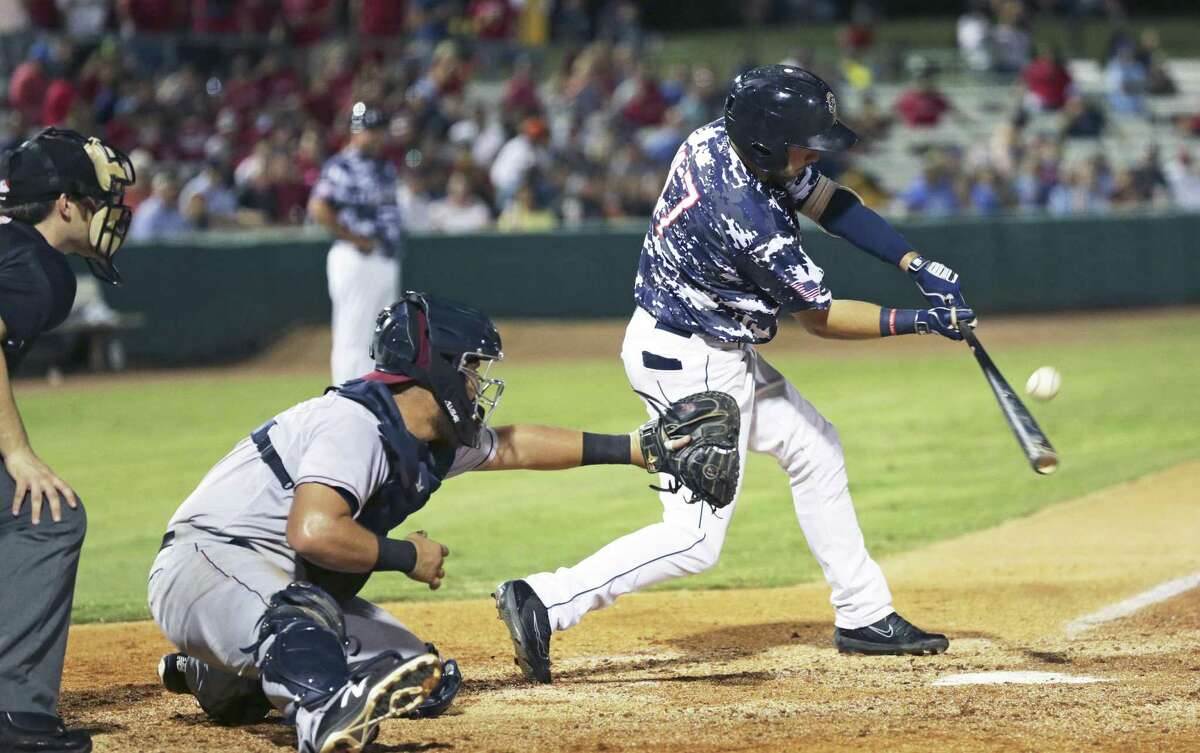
x=808 y=290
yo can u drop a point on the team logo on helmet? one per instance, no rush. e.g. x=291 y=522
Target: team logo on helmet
x=831 y=103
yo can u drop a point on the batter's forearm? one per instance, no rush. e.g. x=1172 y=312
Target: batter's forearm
x=843 y=320
x=847 y=217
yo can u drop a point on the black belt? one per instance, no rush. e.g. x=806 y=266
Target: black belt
x=266 y=450
x=672 y=329
x=169 y=538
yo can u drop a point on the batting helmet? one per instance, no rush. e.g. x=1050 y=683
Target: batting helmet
x=444 y=347
x=772 y=107
x=59 y=161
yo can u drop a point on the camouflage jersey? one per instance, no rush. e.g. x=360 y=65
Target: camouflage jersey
x=722 y=255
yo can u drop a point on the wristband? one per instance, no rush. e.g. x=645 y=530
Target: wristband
x=897 y=322
x=605 y=449
x=396 y=555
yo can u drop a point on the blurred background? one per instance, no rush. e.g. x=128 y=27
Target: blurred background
x=1034 y=127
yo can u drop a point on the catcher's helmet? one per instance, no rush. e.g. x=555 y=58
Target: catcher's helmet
x=772 y=107
x=365 y=117
x=60 y=161
x=442 y=346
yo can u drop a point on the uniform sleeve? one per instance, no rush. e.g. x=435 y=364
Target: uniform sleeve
x=331 y=186
x=766 y=248
x=345 y=452
x=25 y=310
x=470 y=458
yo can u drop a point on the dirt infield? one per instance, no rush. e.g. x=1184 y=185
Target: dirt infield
x=754 y=669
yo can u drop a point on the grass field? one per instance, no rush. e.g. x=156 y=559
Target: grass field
x=928 y=453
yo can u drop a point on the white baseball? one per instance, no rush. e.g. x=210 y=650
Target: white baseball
x=1043 y=384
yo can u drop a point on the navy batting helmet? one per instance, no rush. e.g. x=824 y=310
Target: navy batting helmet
x=444 y=347
x=772 y=107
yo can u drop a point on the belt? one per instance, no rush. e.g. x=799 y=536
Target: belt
x=672 y=329
x=266 y=451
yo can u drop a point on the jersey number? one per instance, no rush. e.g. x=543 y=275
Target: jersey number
x=687 y=202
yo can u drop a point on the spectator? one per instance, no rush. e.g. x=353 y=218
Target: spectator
x=639 y=99
x=1084 y=192
x=1011 y=41
x=1047 y=80
x=924 y=105
x=525 y=213
x=1083 y=118
x=84 y=19
x=1125 y=82
x=461 y=211
x=379 y=19
x=974 y=35
x=27 y=90
x=1159 y=82
x=159 y=217
x=934 y=192
x=1183 y=176
x=520 y=96
x=208 y=199
x=516 y=158
x=987 y=194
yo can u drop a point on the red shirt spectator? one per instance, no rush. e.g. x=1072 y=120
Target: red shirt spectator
x=258 y=16
x=520 y=93
x=214 y=16
x=647 y=106
x=43 y=13
x=1048 y=80
x=491 y=19
x=924 y=106
x=381 y=18
x=154 y=16
x=307 y=20
x=27 y=89
x=60 y=95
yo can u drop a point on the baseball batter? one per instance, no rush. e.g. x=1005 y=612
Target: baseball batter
x=355 y=199
x=257 y=577
x=721 y=259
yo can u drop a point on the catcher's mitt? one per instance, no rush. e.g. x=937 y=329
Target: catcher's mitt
x=708 y=464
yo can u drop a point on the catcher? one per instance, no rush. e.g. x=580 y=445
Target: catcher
x=257 y=578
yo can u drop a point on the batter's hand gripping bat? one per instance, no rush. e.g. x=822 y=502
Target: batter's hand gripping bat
x=1033 y=441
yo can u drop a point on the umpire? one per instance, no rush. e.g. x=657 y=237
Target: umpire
x=62 y=194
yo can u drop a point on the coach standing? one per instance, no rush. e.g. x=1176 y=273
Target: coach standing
x=62 y=194
x=355 y=198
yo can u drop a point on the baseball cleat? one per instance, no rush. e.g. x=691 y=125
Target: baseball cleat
x=385 y=687
x=528 y=623
x=443 y=695
x=891 y=635
x=172 y=670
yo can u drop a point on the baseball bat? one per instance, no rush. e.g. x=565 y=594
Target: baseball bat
x=1037 y=448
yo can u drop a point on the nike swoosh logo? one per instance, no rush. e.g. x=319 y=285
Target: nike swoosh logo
x=357 y=690
x=890 y=631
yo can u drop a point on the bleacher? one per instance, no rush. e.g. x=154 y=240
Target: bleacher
x=897 y=160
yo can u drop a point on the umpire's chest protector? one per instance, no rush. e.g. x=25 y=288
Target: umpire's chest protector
x=414 y=471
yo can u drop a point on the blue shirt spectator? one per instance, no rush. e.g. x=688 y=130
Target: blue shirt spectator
x=159 y=216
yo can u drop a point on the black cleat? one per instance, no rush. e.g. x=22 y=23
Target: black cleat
x=25 y=732
x=172 y=670
x=891 y=635
x=529 y=625
x=386 y=687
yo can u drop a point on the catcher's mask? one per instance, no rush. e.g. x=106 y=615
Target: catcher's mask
x=59 y=161
x=445 y=347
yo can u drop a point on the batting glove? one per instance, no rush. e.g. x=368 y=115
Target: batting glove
x=945 y=321
x=937 y=282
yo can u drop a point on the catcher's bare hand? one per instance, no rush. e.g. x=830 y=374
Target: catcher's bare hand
x=430 y=559
x=35 y=477
x=695 y=440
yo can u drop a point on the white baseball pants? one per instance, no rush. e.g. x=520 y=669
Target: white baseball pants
x=775 y=420
x=360 y=286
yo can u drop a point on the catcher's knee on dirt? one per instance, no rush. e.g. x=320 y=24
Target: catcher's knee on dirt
x=301 y=645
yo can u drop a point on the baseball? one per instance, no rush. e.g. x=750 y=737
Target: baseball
x=1043 y=384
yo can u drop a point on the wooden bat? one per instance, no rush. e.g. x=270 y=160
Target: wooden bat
x=1033 y=441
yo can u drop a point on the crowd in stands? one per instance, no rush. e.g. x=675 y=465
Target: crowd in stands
x=489 y=132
